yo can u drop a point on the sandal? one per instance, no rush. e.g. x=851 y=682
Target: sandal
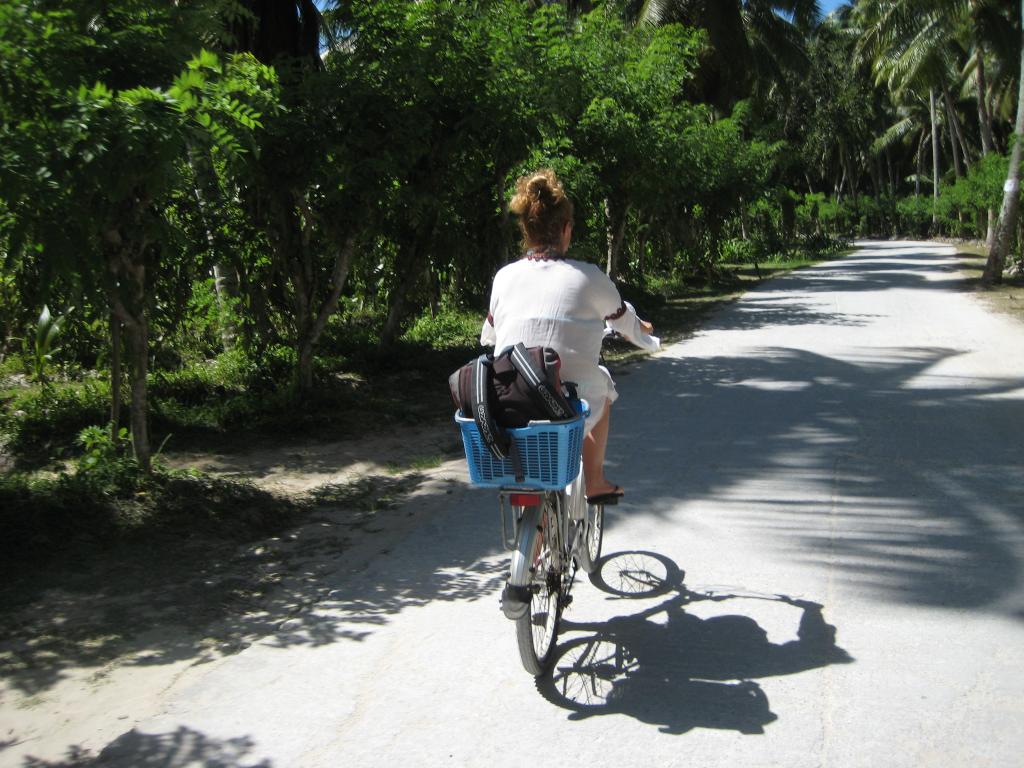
x=611 y=497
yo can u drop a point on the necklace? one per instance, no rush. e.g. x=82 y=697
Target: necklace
x=545 y=253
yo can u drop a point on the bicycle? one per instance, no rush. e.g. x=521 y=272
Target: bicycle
x=549 y=526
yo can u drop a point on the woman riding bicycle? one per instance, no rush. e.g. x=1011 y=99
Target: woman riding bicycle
x=546 y=299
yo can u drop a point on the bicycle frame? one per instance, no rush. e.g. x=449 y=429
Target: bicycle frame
x=569 y=506
x=552 y=534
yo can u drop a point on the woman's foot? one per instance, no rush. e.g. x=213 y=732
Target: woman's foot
x=608 y=493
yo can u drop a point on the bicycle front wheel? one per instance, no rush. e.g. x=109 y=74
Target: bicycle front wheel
x=537 y=628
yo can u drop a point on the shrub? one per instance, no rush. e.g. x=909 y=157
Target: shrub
x=915 y=215
x=738 y=251
x=106 y=464
x=44 y=422
x=446 y=330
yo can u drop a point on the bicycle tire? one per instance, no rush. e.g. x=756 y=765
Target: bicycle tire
x=537 y=630
x=593 y=537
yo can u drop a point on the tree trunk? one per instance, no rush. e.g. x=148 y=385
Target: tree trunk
x=876 y=177
x=844 y=157
x=920 y=163
x=303 y=350
x=1011 y=189
x=396 y=305
x=842 y=179
x=935 y=160
x=225 y=278
x=958 y=131
x=787 y=208
x=988 y=143
x=504 y=255
x=890 y=174
x=126 y=293
x=225 y=281
x=951 y=129
x=642 y=255
x=615 y=222
x=618 y=238
x=304 y=373
x=290 y=231
x=138 y=349
x=115 y=377
x=435 y=291
x=409 y=265
x=256 y=319
x=958 y=168
x=311 y=327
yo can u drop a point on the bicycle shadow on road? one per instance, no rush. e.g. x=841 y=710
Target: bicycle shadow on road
x=673 y=669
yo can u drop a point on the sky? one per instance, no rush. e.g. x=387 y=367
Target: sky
x=829 y=5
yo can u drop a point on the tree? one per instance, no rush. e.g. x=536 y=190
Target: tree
x=751 y=43
x=87 y=168
x=1011 y=189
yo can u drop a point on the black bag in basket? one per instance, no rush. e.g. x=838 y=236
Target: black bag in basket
x=518 y=385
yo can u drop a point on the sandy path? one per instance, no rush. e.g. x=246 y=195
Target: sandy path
x=831 y=469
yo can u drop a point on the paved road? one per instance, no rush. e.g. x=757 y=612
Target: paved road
x=826 y=483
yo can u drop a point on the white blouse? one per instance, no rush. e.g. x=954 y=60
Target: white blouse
x=563 y=304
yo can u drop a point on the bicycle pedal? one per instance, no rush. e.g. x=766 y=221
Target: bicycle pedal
x=566 y=601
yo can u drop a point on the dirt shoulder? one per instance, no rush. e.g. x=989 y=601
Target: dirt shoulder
x=1006 y=298
x=86 y=649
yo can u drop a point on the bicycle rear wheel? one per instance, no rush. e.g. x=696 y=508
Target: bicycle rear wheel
x=593 y=536
x=537 y=629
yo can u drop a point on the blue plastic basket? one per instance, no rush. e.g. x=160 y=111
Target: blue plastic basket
x=549 y=450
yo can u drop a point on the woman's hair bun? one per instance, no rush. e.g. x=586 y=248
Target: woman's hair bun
x=536 y=192
x=539 y=189
x=541 y=204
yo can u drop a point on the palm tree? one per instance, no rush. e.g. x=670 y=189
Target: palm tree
x=911 y=37
x=912 y=46
x=750 y=42
x=910 y=130
x=1011 y=189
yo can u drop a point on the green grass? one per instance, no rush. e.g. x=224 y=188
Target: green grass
x=415 y=465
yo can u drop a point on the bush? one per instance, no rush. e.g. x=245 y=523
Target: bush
x=738 y=251
x=915 y=215
x=836 y=218
x=820 y=244
x=808 y=213
x=447 y=330
x=229 y=391
x=106 y=464
x=43 y=423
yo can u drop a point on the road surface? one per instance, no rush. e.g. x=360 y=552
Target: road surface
x=825 y=500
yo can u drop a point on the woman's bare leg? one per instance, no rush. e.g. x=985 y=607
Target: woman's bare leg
x=594 y=445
